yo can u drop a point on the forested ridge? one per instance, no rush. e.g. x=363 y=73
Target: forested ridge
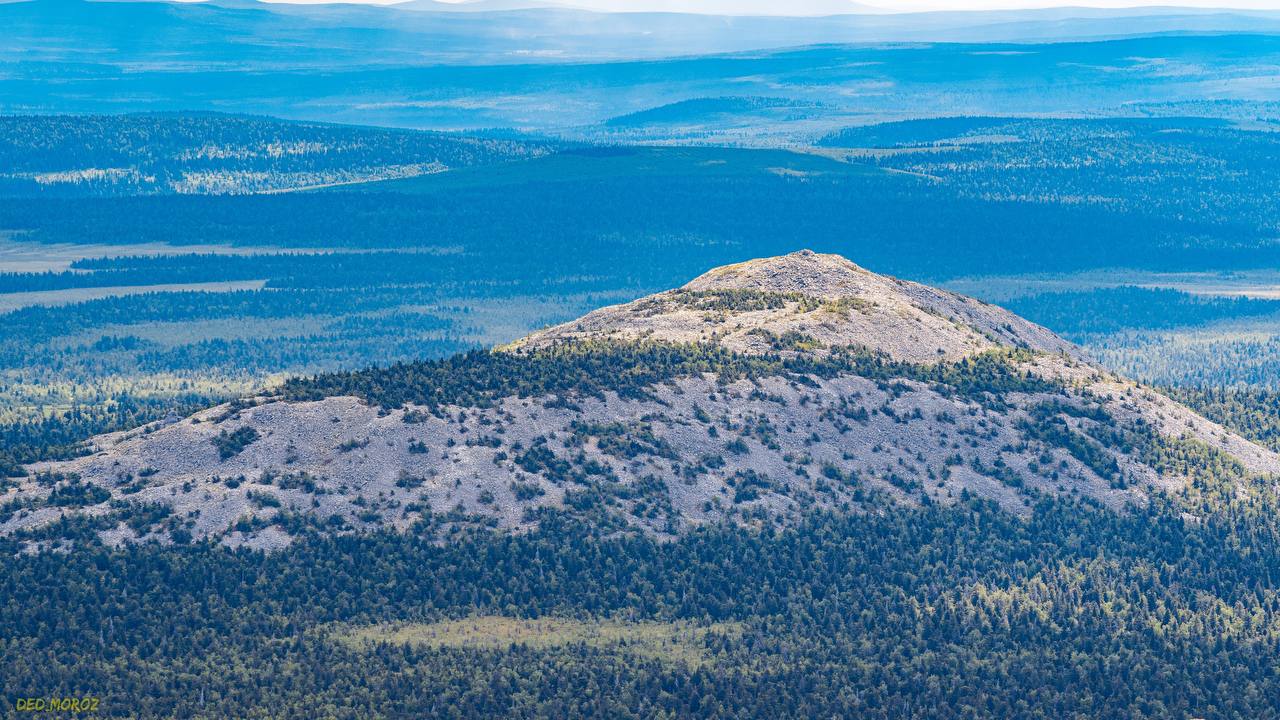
x=1160 y=165
x=594 y=367
x=63 y=434
x=159 y=153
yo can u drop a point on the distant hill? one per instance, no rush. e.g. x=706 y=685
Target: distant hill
x=219 y=154
x=702 y=110
x=176 y=35
x=555 y=68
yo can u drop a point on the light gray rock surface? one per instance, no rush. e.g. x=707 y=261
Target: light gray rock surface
x=825 y=297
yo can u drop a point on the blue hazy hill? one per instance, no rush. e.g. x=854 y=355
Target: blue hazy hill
x=703 y=110
x=323 y=64
x=226 y=32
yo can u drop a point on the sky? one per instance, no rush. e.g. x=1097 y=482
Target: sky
x=1018 y=4
x=751 y=6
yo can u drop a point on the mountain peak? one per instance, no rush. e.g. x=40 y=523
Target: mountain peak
x=803 y=271
x=807 y=301
x=662 y=438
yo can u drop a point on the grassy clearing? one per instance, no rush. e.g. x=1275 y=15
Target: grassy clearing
x=675 y=642
x=19 y=255
x=15 y=301
x=177 y=333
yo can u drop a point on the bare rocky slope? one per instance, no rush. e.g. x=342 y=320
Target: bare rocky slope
x=803 y=382
x=826 y=297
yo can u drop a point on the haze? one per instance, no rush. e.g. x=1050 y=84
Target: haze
x=810 y=7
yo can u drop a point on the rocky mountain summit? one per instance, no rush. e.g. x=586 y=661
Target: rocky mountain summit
x=748 y=306
x=755 y=394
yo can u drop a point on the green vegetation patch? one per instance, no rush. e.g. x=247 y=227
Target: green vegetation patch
x=793 y=340
x=626 y=441
x=1048 y=424
x=743 y=300
x=673 y=642
x=230 y=444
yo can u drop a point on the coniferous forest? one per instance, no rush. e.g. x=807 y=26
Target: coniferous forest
x=960 y=612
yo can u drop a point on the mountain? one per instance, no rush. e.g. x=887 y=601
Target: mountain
x=756 y=393
x=826 y=299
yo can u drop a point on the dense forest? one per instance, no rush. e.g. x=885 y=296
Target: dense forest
x=1165 y=336
x=1074 y=612
x=1227 y=355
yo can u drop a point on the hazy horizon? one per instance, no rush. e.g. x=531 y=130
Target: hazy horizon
x=808 y=7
